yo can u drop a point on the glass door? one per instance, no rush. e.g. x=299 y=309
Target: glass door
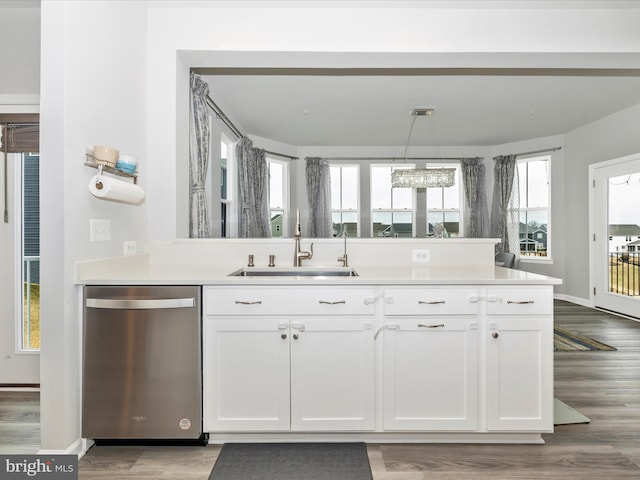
x=617 y=235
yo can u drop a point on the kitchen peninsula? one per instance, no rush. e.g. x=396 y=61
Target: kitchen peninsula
x=429 y=342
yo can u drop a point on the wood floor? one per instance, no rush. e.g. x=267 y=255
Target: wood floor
x=605 y=386
x=19 y=422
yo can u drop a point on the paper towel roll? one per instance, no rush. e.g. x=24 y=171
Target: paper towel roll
x=116 y=190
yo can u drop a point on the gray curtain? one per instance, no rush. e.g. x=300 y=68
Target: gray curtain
x=319 y=197
x=504 y=204
x=253 y=177
x=475 y=195
x=199 y=226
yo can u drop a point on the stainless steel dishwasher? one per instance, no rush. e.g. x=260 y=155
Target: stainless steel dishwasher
x=142 y=363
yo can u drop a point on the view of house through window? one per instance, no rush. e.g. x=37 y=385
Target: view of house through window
x=391 y=208
x=533 y=176
x=28 y=232
x=345 y=191
x=443 y=206
x=278 y=196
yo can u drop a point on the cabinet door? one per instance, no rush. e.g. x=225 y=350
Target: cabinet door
x=520 y=373
x=431 y=374
x=332 y=374
x=246 y=374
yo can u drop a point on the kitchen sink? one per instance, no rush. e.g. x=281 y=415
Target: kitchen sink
x=307 y=272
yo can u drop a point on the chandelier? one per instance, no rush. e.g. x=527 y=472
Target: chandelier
x=422 y=177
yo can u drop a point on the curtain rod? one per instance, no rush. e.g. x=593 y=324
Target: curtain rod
x=401 y=158
x=223 y=117
x=236 y=131
x=544 y=150
x=284 y=155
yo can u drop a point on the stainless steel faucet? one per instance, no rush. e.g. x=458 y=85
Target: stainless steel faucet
x=298 y=254
x=344 y=259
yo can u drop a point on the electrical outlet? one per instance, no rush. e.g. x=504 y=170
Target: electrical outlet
x=99 y=230
x=129 y=248
x=420 y=256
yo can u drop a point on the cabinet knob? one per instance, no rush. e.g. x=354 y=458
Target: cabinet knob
x=495 y=335
x=295 y=336
x=283 y=336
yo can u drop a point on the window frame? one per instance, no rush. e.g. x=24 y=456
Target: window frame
x=535 y=258
x=286 y=194
x=18 y=163
x=460 y=208
x=358 y=193
x=413 y=209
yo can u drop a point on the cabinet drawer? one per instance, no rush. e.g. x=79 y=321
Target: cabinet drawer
x=430 y=301
x=520 y=301
x=289 y=301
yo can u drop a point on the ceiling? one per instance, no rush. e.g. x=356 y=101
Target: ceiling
x=325 y=108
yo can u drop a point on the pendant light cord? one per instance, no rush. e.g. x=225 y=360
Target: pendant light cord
x=406 y=147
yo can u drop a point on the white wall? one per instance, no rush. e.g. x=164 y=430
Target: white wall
x=20 y=40
x=19 y=93
x=100 y=85
x=93 y=92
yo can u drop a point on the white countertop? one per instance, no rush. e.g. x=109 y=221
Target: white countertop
x=139 y=272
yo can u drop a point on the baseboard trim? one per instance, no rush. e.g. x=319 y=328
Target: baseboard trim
x=577 y=300
x=20 y=385
x=589 y=304
x=78 y=448
x=617 y=314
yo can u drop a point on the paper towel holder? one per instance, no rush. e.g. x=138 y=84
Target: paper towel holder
x=99 y=184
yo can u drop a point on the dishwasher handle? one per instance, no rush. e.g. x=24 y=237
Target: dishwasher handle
x=142 y=304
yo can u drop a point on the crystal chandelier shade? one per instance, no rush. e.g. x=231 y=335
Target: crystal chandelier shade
x=423 y=177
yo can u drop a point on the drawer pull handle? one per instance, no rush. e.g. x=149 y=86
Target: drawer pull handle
x=495 y=334
x=520 y=303
x=440 y=325
x=240 y=302
x=324 y=302
x=436 y=302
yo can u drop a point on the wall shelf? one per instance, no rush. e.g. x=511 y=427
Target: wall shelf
x=90 y=162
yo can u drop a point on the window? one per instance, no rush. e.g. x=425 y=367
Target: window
x=443 y=205
x=345 y=183
x=278 y=196
x=392 y=209
x=27 y=235
x=533 y=176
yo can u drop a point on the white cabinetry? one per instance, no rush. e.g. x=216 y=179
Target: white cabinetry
x=472 y=360
x=281 y=358
x=246 y=374
x=430 y=359
x=519 y=365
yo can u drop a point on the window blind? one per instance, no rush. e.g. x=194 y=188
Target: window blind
x=19 y=133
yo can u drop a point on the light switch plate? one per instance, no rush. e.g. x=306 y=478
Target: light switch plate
x=420 y=256
x=99 y=230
